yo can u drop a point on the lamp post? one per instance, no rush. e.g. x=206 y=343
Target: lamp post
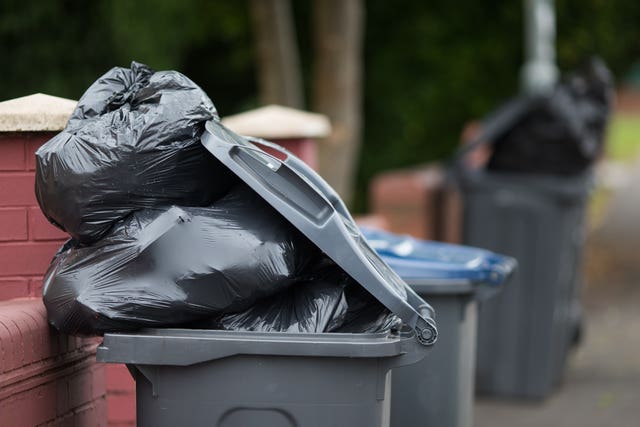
x=539 y=73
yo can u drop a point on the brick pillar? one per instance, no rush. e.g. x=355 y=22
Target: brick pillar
x=418 y=202
x=45 y=377
x=295 y=130
x=27 y=240
x=304 y=148
x=121 y=396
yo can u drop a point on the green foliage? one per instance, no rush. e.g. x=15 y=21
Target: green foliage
x=623 y=138
x=608 y=28
x=433 y=66
x=430 y=66
x=60 y=47
x=52 y=47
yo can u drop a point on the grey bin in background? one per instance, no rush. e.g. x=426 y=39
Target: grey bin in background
x=525 y=332
x=438 y=391
x=245 y=379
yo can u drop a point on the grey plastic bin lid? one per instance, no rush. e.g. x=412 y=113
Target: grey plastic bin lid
x=300 y=195
x=167 y=346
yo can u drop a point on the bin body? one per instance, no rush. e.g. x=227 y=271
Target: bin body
x=525 y=332
x=236 y=379
x=246 y=391
x=438 y=391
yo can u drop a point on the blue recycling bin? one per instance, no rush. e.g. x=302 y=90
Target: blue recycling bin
x=438 y=391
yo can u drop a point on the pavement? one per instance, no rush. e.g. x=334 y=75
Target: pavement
x=602 y=382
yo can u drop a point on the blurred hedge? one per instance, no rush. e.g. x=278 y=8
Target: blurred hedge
x=60 y=47
x=430 y=66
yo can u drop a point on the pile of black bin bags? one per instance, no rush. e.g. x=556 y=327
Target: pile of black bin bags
x=163 y=235
x=558 y=133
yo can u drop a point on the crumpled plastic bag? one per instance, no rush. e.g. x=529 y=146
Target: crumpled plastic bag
x=562 y=133
x=168 y=266
x=325 y=300
x=164 y=235
x=365 y=314
x=131 y=143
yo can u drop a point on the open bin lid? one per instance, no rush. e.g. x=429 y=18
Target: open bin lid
x=440 y=267
x=301 y=196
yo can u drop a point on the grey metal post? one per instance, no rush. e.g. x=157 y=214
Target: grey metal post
x=539 y=73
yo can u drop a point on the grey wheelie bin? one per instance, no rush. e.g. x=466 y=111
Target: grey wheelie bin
x=525 y=333
x=241 y=379
x=438 y=391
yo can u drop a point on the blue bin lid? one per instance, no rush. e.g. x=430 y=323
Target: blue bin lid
x=436 y=265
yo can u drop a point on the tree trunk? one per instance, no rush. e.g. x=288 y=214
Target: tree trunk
x=279 y=78
x=338 y=33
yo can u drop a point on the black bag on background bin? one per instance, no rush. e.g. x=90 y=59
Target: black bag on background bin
x=561 y=133
x=131 y=143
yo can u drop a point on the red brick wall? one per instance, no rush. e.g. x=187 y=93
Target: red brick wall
x=27 y=245
x=628 y=100
x=121 y=396
x=27 y=240
x=46 y=378
x=418 y=202
x=304 y=148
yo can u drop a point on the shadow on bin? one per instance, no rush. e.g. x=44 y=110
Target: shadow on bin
x=438 y=391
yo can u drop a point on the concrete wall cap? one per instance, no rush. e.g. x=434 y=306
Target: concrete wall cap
x=33 y=113
x=278 y=122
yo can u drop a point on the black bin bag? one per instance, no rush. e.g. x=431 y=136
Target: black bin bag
x=131 y=143
x=325 y=299
x=169 y=266
x=560 y=133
